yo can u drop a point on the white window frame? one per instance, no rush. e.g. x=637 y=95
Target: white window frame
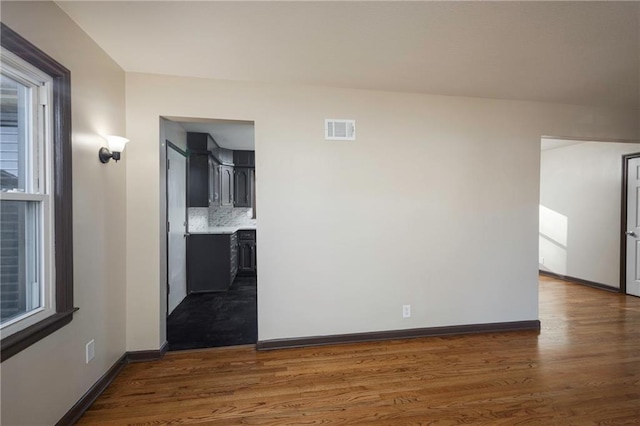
x=39 y=186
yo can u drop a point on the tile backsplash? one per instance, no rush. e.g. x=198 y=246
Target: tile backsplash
x=202 y=218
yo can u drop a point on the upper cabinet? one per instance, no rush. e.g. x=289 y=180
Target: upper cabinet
x=225 y=156
x=243 y=186
x=198 y=180
x=219 y=176
x=226 y=185
x=244 y=162
x=198 y=189
x=214 y=182
x=244 y=158
x=198 y=142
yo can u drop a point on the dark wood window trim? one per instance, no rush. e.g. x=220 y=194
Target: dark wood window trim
x=61 y=134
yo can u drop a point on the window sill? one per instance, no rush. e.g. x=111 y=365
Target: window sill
x=23 y=339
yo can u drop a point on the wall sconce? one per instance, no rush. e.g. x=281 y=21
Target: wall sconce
x=116 y=146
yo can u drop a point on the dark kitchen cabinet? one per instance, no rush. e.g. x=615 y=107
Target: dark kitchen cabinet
x=221 y=155
x=244 y=158
x=226 y=186
x=225 y=156
x=247 y=252
x=199 y=184
x=214 y=182
x=212 y=262
x=243 y=186
x=198 y=142
x=198 y=180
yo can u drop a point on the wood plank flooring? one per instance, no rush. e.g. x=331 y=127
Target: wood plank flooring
x=582 y=369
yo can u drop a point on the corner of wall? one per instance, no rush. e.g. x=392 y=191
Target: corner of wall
x=143 y=313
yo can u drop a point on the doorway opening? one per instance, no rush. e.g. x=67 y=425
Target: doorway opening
x=580 y=210
x=212 y=247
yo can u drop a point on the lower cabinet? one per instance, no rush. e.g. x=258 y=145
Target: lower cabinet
x=212 y=262
x=247 y=252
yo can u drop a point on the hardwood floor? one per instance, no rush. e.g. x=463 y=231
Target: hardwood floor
x=583 y=368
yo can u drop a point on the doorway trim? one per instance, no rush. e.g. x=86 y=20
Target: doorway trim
x=623 y=221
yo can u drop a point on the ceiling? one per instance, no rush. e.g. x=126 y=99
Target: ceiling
x=230 y=134
x=584 y=53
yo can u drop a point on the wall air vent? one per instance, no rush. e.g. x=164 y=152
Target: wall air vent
x=339 y=130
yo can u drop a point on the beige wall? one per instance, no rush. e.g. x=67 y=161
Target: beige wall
x=435 y=205
x=42 y=382
x=580 y=210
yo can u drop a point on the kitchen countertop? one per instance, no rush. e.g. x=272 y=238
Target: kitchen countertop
x=222 y=229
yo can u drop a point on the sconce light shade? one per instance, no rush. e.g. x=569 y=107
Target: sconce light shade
x=116 y=146
x=116 y=143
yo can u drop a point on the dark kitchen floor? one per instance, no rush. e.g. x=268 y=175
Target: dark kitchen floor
x=209 y=320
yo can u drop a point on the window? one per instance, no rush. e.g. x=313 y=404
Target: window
x=36 y=256
x=25 y=195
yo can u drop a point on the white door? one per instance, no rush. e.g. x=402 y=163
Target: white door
x=633 y=227
x=177 y=228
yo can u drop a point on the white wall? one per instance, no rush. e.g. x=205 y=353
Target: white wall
x=42 y=382
x=580 y=189
x=435 y=204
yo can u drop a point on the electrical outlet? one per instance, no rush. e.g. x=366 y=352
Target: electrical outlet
x=541 y=261
x=90 y=350
x=406 y=311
